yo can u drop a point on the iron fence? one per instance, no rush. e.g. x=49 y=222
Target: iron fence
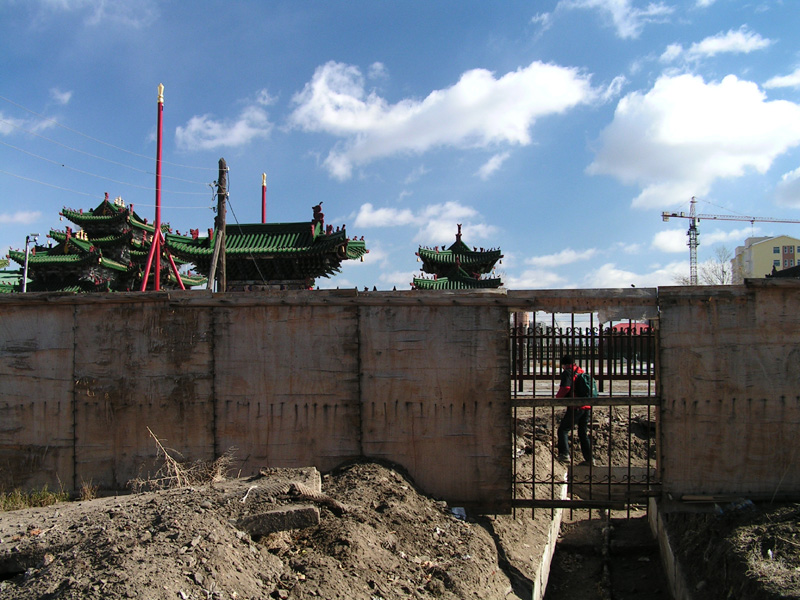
x=622 y=471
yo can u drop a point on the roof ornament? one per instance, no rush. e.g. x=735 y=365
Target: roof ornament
x=458 y=235
x=319 y=216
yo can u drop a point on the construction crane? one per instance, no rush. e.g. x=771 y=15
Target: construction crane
x=694 y=218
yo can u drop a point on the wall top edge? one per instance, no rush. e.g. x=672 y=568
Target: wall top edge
x=575 y=300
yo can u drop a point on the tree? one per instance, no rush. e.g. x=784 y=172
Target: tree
x=715 y=271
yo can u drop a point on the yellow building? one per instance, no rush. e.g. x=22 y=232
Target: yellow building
x=760 y=254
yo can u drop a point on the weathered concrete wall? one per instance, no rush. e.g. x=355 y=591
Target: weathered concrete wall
x=730 y=387
x=319 y=378
x=308 y=378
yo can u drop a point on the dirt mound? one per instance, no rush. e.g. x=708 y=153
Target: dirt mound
x=377 y=537
x=740 y=550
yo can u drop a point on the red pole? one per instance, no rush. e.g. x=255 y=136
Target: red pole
x=157 y=236
x=263 y=197
x=155 y=246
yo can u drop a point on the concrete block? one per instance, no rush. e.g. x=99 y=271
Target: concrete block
x=280 y=519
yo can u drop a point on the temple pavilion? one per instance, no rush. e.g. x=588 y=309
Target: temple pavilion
x=272 y=256
x=107 y=254
x=458 y=267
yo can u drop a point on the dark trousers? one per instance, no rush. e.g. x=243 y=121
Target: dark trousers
x=580 y=417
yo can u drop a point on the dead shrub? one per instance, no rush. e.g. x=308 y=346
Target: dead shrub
x=176 y=471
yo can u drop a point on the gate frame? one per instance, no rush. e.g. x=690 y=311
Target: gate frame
x=564 y=339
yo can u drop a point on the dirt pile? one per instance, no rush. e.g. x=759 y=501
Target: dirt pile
x=377 y=537
x=740 y=550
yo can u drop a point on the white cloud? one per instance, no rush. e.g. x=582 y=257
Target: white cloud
x=672 y=53
x=610 y=276
x=436 y=222
x=21 y=217
x=378 y=70
x=478 y=111
x=676 y=240
x=628 y=20
x=492 y=165
x=677 y=139
x=534 y=279
x=59 y=96
x=399 y=279
x=791 y=80
x=544 y=20
x=416 y=174
x=122 y=12
x=741 y=41
x=672 y=240
x=264 y=98
x=205 y=133
x=564 y=257
x=369 y=216
x=718 y=236
x=9 y=125
x=787 y=192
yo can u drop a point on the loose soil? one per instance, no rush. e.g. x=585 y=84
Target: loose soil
x=381 y=538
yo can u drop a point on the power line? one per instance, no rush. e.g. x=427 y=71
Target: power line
x=113 y=162
x=100 y=141
x=143 y=187
x=58 y=187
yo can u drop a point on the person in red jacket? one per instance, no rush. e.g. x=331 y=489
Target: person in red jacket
x=575 y=415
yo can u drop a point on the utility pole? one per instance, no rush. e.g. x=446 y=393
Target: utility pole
x=219 y=225
x=28 y=238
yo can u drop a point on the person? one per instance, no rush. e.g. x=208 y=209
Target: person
x=575 y=415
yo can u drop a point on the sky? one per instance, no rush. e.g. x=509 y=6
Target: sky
x=557 y=131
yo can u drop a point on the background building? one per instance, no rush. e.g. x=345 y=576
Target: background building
x=759 y=255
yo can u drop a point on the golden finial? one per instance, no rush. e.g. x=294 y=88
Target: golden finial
x=161 y=93
x=263 y=180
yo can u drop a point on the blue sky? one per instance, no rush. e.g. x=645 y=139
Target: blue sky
x=556 y=130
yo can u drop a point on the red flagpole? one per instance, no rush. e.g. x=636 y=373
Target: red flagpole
x=155 y=246
x=263 y=197
x=157 y=239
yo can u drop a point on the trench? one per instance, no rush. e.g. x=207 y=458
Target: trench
x=607 y=558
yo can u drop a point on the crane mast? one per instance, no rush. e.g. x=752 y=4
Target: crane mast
x=693 y=233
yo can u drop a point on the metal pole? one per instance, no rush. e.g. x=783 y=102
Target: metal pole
x=28 y=237
x=155 y=246
x=157 y=238
x=263 y=197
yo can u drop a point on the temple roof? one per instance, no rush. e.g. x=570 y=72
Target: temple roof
x=457 y=267
x=272 y=251
x=456 y=283
x=110 y=217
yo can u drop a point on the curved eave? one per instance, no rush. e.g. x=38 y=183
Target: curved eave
x=88 y=218
x=114 y=265
x=137 y=222
x=48 y=258
x=471 y=258
x=445 y=283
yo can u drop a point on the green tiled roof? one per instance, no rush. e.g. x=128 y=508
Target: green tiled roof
x=457 y=267
x=271 y=251
x=481 y=261
x=446 y=283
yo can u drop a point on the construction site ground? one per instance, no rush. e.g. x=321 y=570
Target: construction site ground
x=366 y=532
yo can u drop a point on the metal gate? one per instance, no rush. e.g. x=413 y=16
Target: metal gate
x=621 y=472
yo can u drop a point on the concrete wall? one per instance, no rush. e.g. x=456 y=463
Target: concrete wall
x=730 y=387
x=287 y=379
x=421 y=379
